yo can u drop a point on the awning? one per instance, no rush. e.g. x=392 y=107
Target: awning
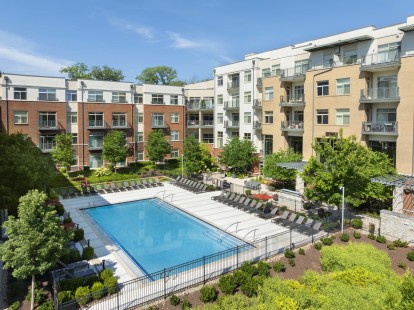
x=315 y=48
x=293 y=165
x=398 y=180
x=407 y=28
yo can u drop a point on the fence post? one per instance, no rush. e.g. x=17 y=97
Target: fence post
x=165 y=286
x=237 y=257
x=266 y=248
x=204 y=270
x=290 y=233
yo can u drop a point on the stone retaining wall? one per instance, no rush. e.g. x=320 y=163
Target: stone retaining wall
x=292 y=201
x=397 y=225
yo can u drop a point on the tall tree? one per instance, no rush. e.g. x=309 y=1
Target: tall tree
x=81 y=71
x=36 y=238
x=114 y=149
x=157 y=145
x=76 y=71
x=272 y=170
x=238 y=154
x=345 y=162
x=158 y=75
x=64 y=154
x=192 y=155
x=30 y=169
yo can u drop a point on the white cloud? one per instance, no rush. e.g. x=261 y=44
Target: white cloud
x=226 y=58
x=178 y=41
x=144 y=31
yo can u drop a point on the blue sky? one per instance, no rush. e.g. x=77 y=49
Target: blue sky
x=192 y=36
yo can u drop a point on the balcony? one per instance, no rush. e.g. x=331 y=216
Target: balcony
x=231 y=105
x=158 y=124
x=95 y=124
x=119 y=124
x=292 y=101
x=157 y=101
x=257 y=125
x=120 y=100
x=95 y=145
x=257 y=104
x=47 y=147
x=292 y=126
x=196 y=106
x=380 y=128
x=296 y=74
x=96 y=100
x=259 y=83
x=193 y=123
x=231 y=124
x=381 y=62
x=207 y=123
x=380 y=95
x=48 y=125
x=233 y=85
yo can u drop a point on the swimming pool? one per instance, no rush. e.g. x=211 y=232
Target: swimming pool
x=156 y=235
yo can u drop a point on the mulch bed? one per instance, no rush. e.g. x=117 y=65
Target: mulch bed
x=311 y=260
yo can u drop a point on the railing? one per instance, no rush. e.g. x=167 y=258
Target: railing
x=119 y=123
x=193 y=123
x=233 y=85
x=200 y=106
x=292 y=125
x=47 y=97
x=381 y=58
x=158 y=124
x=231 y=104
x=257 y=104
x=295 y=72
x=157 y=102
x=48 y=124
x=207 y=123
x=380 y=93
x=257 y=125
x=259 y=82
x=380 y=127
x=95 y=145
x=292 y=100
x=121 y=100
x=231 y=124
x=47 y=146
x=98 y=99
x=96 y=124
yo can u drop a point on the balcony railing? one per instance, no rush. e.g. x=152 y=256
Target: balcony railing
x=294 y=100
x=295 y=74
x=96 y=124
x=155 y=101
x=193 y=123
x=392 y=58
x=257 y=125
x=233 y=85
x=119 y=123
x=259 y=83
x=207 y=123
x=384 y=128
x=200 y=106
x=292 y=126
x=47 y=97
x=47 y=146
x=95 y=144
x=120 y=100
x=257 y=104
x=231 y=124
x=96 y=100
x=158 y=124
x=380 y=94
x=231 y=105
x=50 y=124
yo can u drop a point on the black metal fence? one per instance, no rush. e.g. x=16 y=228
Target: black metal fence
x=160 y=284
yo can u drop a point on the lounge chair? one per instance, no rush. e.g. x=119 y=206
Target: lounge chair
x=64 y=193
x=269 y=215
x=257 y=209
x=231 y=201
x=244 y=204
x=298 y=221
x=144 y=182
x=228 y=198
x=85 y=191
x=267 y=209
x=127 y=186
x=238 y=202
x=317 y=226
x=92 y=190
x=72 y=192
x=120 y=186
x=289 y=221
x=203 y=188
x=107 y=189
x=306 y=226
x=100 y=190
x=178 y=179
x=114 y=188
x=222 y=194
x=284 y=216
x=251 y=205
x=139 y=184
x=151 y=183
x=158 y=182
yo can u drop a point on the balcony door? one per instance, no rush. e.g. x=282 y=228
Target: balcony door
x=387 y=86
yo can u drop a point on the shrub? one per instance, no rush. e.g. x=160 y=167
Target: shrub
x=88 y=253
x=111 y=284
x=60 y=210
x=371 y=236
x=381 y=239
x=356 y=223
x=86 y=168
x=344 y=237
x=102 y=171
x=211 y=188
x=249 y=287
x=78 y=235
x=38 y=295
x=357 y=235
x=327 y=241
x=227 y=284
x=248 y=192
x=318 y=246
x=402 y=265
x=208 y=293
x=400 y=244
x=391 y=246
x=48 y=305
x=74 y=283
x=263 y=269
x=64 y=296
x=106 y=273
x=249 y=268
x=62 y=170
x=70 y=256
x=301 y=251
x=97 y=290
x=291 y=262
x=279 y=267
x=410 y=256
x=289 y=253
x=186 y=305
x=174 y=300
x=15 y=305
x=82 y=295
x=67 y=220
x=240 y=277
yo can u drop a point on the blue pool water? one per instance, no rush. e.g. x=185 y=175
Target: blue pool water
x=157 y=235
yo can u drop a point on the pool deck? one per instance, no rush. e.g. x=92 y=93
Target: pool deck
x=198 y=205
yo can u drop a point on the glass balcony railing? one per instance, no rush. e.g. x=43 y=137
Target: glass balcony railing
x=158 y=124
x=47 y=124
x=47 y=146
x=95 y=144
x=207 y=123
x=193 y=123
x=381 y=58
x=386 y=128
x=95 y=123
x=119 y=123
x=295 y=73
x=235 y=104
x=231 y=124
x=233 y=84
x=385 y=93
x=293 y=100
x=292 y=126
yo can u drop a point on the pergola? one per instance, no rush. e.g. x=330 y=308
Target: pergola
x=293 y=165
x=397 y=180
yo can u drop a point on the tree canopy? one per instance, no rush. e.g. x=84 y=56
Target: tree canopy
x=114 y=149
x=272 y=170
x=345 y=162
x=157 y=145
x=238 y=154
x=197 y=157
x=159 y=75
x=36 y=239
x=64 y=154
x=28 y=167
x=81 y=71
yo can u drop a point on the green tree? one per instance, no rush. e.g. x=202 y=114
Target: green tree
x=76 y=71
x=192 y=155
x=36 y=239
x=114 y=149
x=64 y=154
x=345 y=162
x=28 y=167
x=159 y=75
x=157 y=145
x=238 y=154
x=272 y=170
x=81 y=71
x=206 y=157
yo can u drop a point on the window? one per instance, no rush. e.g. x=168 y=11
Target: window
x=158 y=120
x=350 y=57
x=20 y=93
x=175 y=136
x=95 y=160
x=140 y=156
x=247 y=136
x=328 y=60
x=157 y=99
x=47 y=94
x=343 y=86
x=72 y=118
x=21 y=117
x=322 y=117
x=74 y=138
x=138 y=98
x=71 y=95
x=267 y=144
x=248 y=97
x=247 y=117
x=247 y=76
x=387 y=86
x=47 y=142
x=266 y=72
x=268 y=117
x=174 y=99
x=219 y=139
x=175 y=153
x=234 y=134
x=299 y=93
x=140 y=118
x=208 y=138
x=95 y=119
x=276 y=70
x=95 y=96
x=268 y=93
x=301 y=66
x=220 y=99
x=386 y=115
x=47 y=120
x=322 y=88
x=207 y=103
x=342 y=116
x=119 y=120
x=174 y=117
x=95 y=140
x=119 y=97
x=388 y=52
x=220 y=80
x=140 y=136
x=219 y=118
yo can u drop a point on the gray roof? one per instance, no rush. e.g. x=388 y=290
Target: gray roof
x=398 y=180
x=315 y=48
x=293 y=165
x=407 y=28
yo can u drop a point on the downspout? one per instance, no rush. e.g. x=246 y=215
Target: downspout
x=83 y=126
x=6 y=78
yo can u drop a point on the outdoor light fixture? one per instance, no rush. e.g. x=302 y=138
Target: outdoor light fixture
x=343 y=207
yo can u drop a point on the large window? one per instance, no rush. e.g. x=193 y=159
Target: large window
x=157 y=99
x=74 y=138
x=220 y=100
x=343 y=86
x=140 y=156
x=174 y=117
x=47 y=142
x=208 y=138
x=248 y=97
x=72 y=118
x=21 y=117
x=386 y=115
x=71 y=95
x=219 y=118
x=47 y=119
x=140 y=118
x=119 y=120
x=322 y=117
x=95 y=160
x=95 y=96
x=20 y=93
x=342 y=116
x=174 y=153
x=95 y=140
x=322 y=88
x=157 y=119
x=328 y=60
x=138 y=98
x=268 y=93
x=388 y=52
x=247 y=117
x=220 y=80
x=268 y=117
x=298 y=93
x=350 y=57
x=118 y=97
x=267 y=144
x=219 y=139
x=301 y=66
x=387 y=86
x=266 y=72
x=140 y=136
x=174 y=99
x=247 y=76
x=275 y=70
x=47 y=94
x=95 y=119
x=175 y=136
